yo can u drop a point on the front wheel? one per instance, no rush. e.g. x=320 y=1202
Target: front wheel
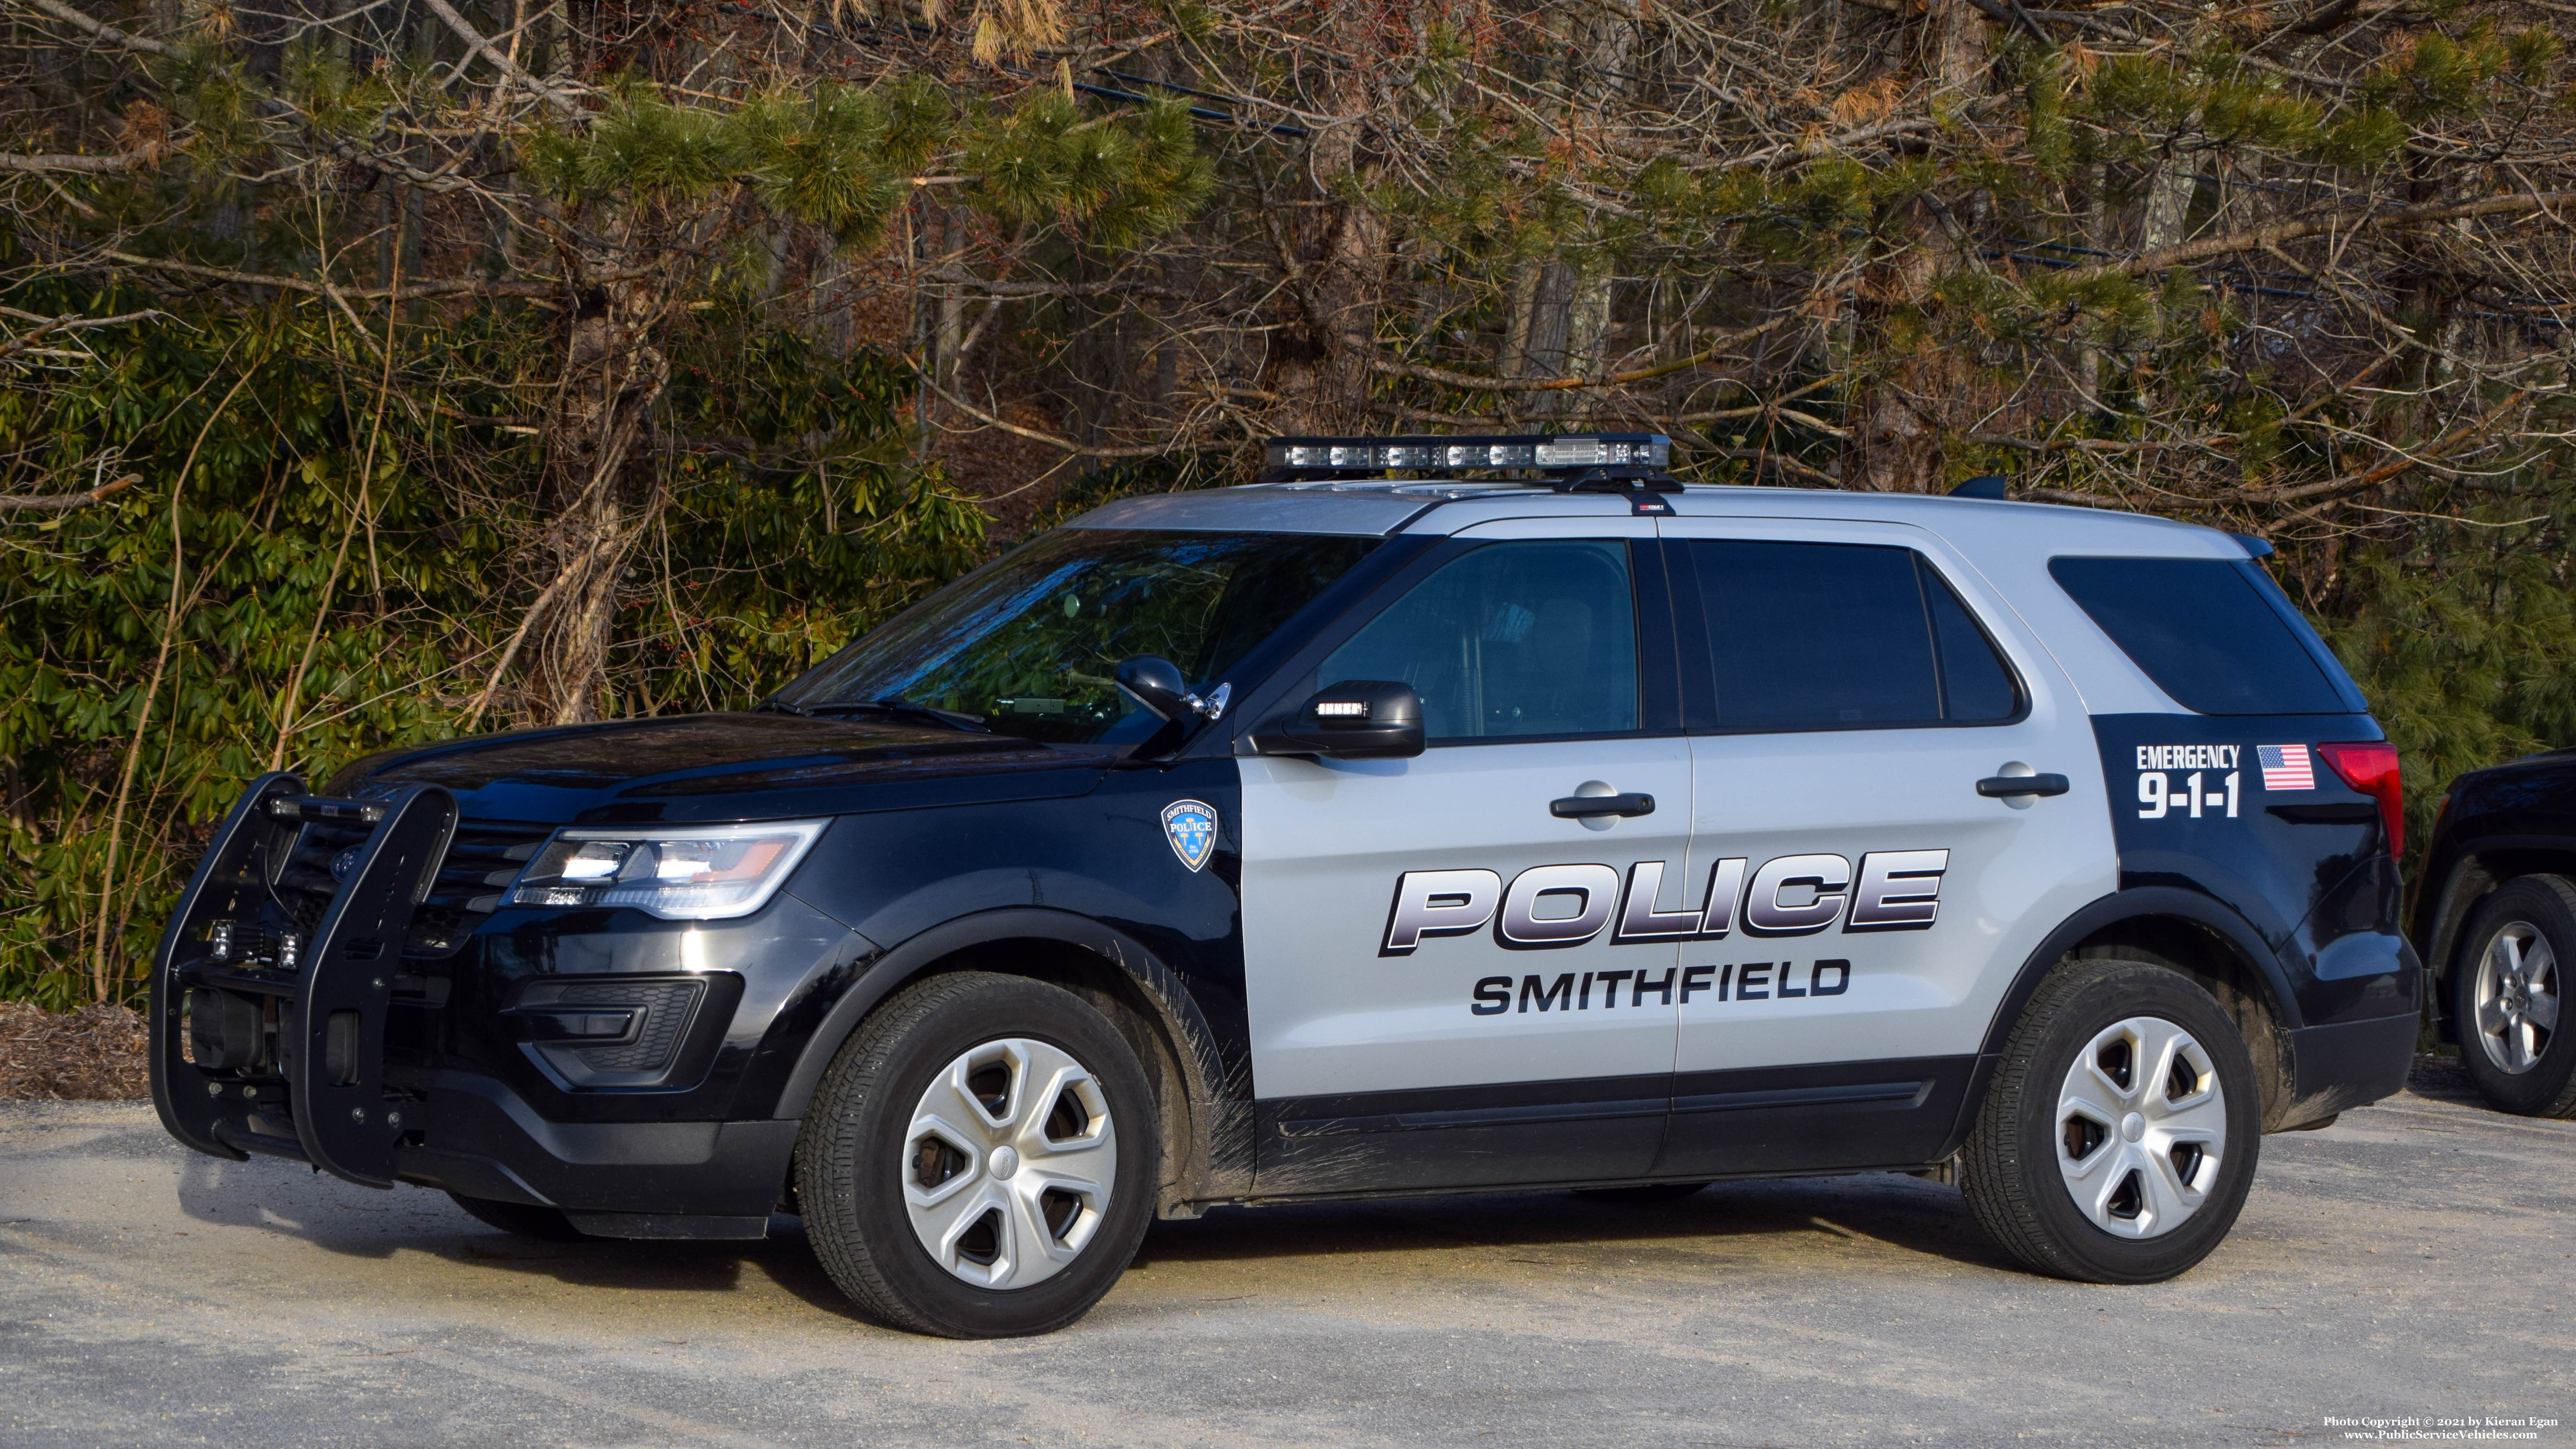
x=2506 y=988
x=980 y=1161
x=2118 y=1137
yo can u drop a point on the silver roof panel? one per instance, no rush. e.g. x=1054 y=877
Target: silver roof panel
x=1255 y=510
x=1377 y=508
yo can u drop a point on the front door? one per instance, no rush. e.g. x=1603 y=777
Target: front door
x=1443 y=985
x=1848 y=687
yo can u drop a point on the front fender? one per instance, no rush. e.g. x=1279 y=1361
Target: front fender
x=1213 y=1129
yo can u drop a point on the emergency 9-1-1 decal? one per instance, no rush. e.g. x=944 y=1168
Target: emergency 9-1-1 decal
x=2189 y=780
x=2202 y=781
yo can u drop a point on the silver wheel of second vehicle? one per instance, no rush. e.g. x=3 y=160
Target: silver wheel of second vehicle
x=1009 y=1163
x=2517 y=997
x=2141 y=1128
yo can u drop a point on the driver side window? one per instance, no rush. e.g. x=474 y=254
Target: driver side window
x=1534 y=638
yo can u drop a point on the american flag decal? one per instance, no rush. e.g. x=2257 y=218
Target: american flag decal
x=2285 y=767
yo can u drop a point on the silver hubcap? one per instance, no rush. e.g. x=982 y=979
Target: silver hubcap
x=2141 y=1128
x=1009 y=1163
x=2517 y=997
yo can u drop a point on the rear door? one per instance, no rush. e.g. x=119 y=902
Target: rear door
x=1848 y=687
x=1441 y=986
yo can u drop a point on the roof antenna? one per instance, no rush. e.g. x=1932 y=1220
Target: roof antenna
x=1984 y=485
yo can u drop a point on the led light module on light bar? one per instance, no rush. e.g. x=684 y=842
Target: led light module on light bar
x=1545 y=453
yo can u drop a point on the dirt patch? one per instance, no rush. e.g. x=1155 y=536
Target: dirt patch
x=93 y=1054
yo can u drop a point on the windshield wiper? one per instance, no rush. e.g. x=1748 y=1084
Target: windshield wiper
x=771 y=706
x=893 y=705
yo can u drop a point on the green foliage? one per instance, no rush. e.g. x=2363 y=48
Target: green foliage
x=821 y=157
x=2466 y=646
x=1118 y=177
x=2362 y=138
x=322 y=574
x=641 y=146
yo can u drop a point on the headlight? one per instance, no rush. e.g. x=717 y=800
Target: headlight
x=677 y=872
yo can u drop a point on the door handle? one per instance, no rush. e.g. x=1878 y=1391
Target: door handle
x=1586 y=807
x=1999 y=787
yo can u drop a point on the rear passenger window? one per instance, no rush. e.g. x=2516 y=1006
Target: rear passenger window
x=1822 y=636
x=2204 y=632
x=1536 y=638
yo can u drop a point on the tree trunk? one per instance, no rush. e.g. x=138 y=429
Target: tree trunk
x=1897 y=421
x=596 y=465
x=1342 y=256
x=1560 y=309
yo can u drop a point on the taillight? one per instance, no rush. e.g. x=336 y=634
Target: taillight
x=2371 y=768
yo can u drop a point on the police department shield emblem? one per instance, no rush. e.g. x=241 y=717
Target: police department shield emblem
x=1191 y=827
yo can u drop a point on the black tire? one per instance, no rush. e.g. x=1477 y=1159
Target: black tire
x=1643 y=1194
x=2010 y=1169
x=853 y=1153
x=2537 y=909
x=526 y=1220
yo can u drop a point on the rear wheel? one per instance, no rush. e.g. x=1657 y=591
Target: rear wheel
x=980 y=1160
x=2118 y=1137
x=2507 y=985
x=527 y=1220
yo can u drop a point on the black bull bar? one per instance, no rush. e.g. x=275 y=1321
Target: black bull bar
x=268 y=1025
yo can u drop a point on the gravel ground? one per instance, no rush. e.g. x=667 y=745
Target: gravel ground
x=2413 y=1260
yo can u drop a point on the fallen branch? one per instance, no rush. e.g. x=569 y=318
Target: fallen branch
x=2431 y=455
x=104 y=31
x=474 y=38
x=1145 y=450
x=2341 y=223
x=136 y=159
x=65 y=502
x=325 y=289
x=72 y=323
x=1474 y=383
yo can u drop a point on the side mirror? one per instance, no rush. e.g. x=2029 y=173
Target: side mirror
x=1357 y=719
x=1158 y=685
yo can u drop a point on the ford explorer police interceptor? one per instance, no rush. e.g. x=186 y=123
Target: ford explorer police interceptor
x=1434 y=816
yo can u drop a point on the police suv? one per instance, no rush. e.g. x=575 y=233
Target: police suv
x=1434 y=816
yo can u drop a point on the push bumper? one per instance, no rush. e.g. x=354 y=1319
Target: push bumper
x=271 y=993
x=267 y=1025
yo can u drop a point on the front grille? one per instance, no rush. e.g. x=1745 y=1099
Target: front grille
x=306 y=884
x=480 y=861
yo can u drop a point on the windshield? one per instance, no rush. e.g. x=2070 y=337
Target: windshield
x=1028 y=645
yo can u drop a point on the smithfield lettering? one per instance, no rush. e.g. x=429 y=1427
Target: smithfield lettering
x=1753 y=981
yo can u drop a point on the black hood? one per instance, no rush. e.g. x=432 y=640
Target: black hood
x=696 y=768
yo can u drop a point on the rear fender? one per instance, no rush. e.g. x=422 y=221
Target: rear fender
x=2142 y=903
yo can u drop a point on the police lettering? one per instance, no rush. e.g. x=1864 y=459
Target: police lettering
x=1727 y=982
x=1550 y=906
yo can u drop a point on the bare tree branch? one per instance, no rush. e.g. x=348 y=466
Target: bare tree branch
x=65 y=502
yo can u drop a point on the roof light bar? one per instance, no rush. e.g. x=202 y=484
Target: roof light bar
x=1539 y=452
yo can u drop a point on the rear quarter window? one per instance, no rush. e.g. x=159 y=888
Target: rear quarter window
x=2215 y=634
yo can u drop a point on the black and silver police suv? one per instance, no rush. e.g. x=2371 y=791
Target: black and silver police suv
x=2496 y=919
x=1435 y=816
